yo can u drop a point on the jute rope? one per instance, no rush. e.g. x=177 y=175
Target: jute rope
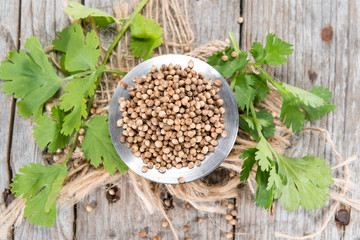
x=82 y=178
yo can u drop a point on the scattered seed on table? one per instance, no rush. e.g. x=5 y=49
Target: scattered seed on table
x=233 y=212
x=233 y=221
x=228 y=217
x=224 y=203
x=164 y=224
x=142 y=234
x=200 y=220
x=232 y=174
x=187 y=206
x=167 y=202
x=230 y=206
x=111 y=192
x=185 y=228
x=156 y=238
x=229 y=235
x=89 y=208
x=240 y=20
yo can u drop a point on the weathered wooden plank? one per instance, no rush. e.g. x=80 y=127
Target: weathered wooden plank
x=316 y=61
x=125 y=218
x=9 y=34
x=212 y=20
x=41 y=19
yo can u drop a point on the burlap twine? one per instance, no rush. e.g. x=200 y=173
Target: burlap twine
x=178 y=38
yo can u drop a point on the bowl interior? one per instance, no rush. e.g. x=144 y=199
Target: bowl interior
x=212 y=160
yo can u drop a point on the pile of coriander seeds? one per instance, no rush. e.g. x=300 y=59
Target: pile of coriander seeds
x=173 y=118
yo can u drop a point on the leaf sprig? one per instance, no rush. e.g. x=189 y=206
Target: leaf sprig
x=30 y=76
x=294 y=181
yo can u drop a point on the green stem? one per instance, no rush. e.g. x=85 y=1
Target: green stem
x=115 y=71
x=258 y=129
x=123 y=30
x=234 y=42
x=271 y=80
x=78 y=75
x=253 y=113
x=71 y=149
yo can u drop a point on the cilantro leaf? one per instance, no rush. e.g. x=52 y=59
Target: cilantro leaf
x=48 y=131
x=30 y=77
x=78 y=89
x=313 y=102
x=274 y=51
x=304 y=181
x=291 y=114
x=79 y=53
x=264 y=155
x=40 y=186
x=265 y=120
x=249 y=161
x=97 y=145
x=313 y=114
x=228 y=68
x=145 y=36
x=244 y=92
x=264 y=196
x=312 y=98
x=257 y=51
x=79 y=11
x=260 y=86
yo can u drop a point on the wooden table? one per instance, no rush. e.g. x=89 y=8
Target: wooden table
x=327 y=42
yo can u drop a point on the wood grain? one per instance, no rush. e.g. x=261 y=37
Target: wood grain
x=333 y=64
x=41 y=19
x=126 y=218
x=9 y=34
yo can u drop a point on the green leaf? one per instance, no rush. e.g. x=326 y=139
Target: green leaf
x=264 y=197
x=274 y=51
x=257 y=51
x=40 y=186
x=313 y=114
x=260 y=86
x=249 y=161
x=264 y=155
x=79 y=53
x=145 y=36
x=30 y=77
x=304 y=181
x=265 y=121
x=244 y=92
x=313 y=98
x=48 y=131
x=313 y=102
x=228 y=68
x=78 y=11
x=97 y=146
x=291 y=114
x=78 y=89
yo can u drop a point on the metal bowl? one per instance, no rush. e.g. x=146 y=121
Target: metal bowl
x=212 y=160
